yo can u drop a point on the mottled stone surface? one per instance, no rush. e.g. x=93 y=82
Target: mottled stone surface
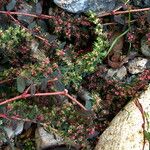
x=142 y=3
x=117 y=74
x=145 y=47
x=125 y=131
x=76 y=6
x=25 y=8
x=45 y=139
x=137 y=65
x=72 y=5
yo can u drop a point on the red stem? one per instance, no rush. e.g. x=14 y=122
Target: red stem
x=39 y=37
x=124 y=12
x=25 y=95
x=14 y=118
x=53 y=17
x=73 y=99
x=27 y=14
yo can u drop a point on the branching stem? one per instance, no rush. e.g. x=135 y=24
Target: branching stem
x=25 y=95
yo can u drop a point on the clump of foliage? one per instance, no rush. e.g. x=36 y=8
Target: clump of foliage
x=29 y=145
x=66 y=120
x=74 y=68
x=32 y=111
x=76 y=45
x=115 y=93
x=101 y=44
x=73 y=124
x=38 y=76
x=72 y=29
x=74 y=65
x=14 y=43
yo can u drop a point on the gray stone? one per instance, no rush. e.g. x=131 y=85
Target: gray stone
x=11 y=133
x=84 y=94
x=111 y=73
x=147 y=3
x=117 y=74
x=137 y=65
x=19 y=128
x=125 y=132
x=145 y=47
x=72 y=5
x=148 y=65
x=45 y=139
x=34 y=46
x=142 y=3
x=121 y=73
x=98 y=6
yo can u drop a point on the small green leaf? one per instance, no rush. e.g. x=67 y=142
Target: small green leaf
x=62 y=45
x=11 y=5
x=88 y=104
x=147 y=135
x=21 y=84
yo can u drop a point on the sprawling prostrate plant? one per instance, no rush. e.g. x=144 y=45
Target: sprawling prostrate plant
x=73 y=69
x=101 y=44
x=14 y=44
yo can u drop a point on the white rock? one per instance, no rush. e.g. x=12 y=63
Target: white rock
x=111 y=72
x=121 y=73
x=19 y=128
x=125 y=132
x=117 y=74
x=137 y=65
x=45 y=139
